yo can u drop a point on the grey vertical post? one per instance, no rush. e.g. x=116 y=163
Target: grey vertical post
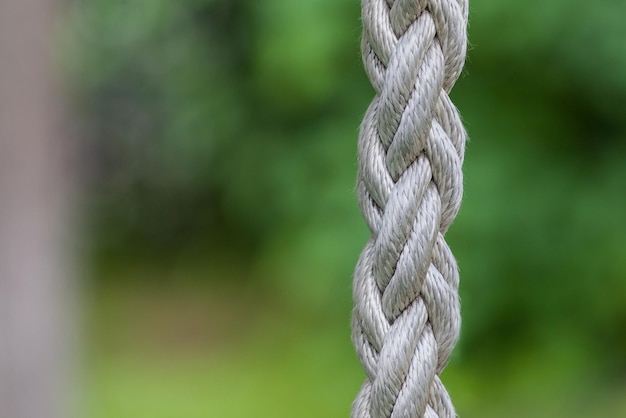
x=35 y=330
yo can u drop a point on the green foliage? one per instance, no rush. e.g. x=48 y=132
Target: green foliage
x=226 y=130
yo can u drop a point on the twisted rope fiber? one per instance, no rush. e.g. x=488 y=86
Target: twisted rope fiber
x=406 y=317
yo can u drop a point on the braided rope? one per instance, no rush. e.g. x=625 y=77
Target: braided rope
x=406 y=317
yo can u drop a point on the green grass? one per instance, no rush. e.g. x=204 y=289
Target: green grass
x=160 y=354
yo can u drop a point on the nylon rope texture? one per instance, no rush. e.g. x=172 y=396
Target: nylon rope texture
x=406 y=317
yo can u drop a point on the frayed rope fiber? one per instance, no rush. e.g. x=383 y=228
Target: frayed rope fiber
x=406 y=317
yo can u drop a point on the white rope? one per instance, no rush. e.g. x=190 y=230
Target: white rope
x=406 y=317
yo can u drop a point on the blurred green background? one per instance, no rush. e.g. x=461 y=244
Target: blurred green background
x=223 y=228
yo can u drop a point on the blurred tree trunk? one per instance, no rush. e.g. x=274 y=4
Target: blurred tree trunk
x=35 y=292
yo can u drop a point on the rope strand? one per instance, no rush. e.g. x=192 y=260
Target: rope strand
x=406 y=317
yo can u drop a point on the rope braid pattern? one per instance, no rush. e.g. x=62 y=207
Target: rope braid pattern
x=406 y=317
